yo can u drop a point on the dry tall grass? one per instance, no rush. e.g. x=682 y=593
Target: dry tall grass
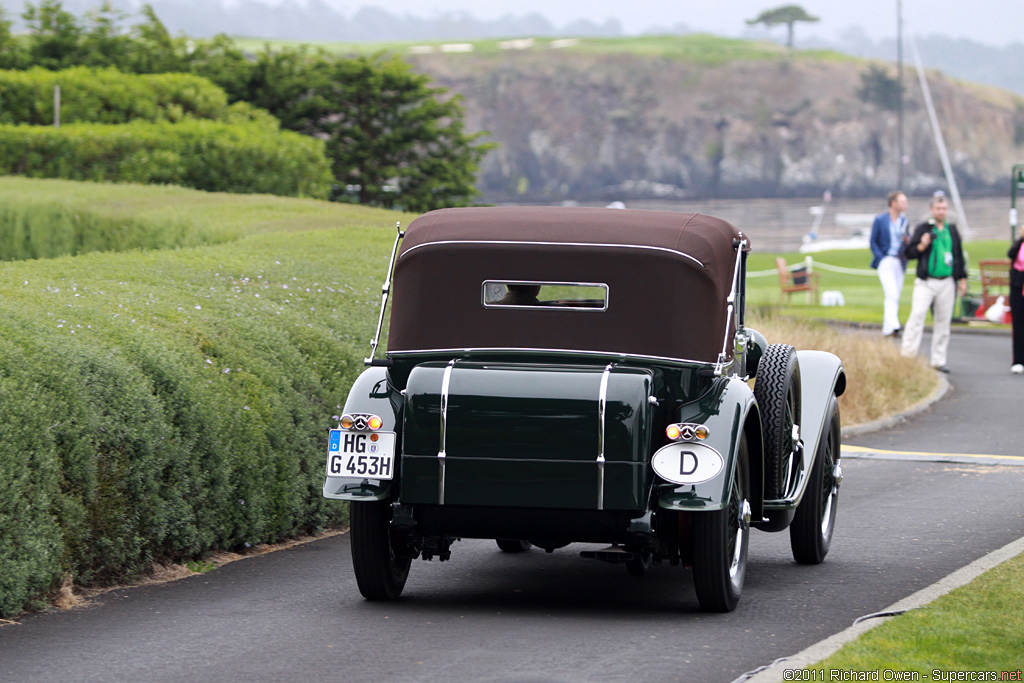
x=879 y=381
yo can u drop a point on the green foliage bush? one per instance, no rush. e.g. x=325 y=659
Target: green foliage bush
x=879 y=88
x=34 y=230
x=157 y=405
x=106 y=96
x=394 y=140
x=204 y=155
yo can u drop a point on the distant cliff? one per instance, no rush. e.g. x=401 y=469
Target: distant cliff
x=621 y=126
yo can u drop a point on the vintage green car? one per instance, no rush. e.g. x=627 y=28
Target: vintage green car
x=582 y=375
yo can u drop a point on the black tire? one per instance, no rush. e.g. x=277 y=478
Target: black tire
x=720 y=541
x=777 y=392
x=509 y=545
x=810 y=534
x=380 y=574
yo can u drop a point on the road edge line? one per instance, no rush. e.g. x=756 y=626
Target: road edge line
x=822 y=649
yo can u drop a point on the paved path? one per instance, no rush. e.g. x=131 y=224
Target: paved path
x=982 y=414
x=486 y=616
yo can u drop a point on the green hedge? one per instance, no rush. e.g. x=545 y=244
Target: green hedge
x=45 y=230
x=106 y=96
x=204 y=155
x=159 y=405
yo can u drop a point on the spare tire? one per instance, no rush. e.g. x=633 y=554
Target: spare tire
x=777 y=391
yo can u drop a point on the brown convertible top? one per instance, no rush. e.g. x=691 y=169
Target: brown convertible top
x=668 y=274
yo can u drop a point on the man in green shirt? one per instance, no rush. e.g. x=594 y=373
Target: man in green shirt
x=941 y=276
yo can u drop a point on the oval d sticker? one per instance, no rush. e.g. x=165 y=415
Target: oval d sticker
x=687 y=463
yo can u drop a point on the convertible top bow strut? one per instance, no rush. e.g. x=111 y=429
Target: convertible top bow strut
x=739 y=244
x=385 y=291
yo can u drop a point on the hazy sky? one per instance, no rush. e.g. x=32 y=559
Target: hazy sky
x=995 y=22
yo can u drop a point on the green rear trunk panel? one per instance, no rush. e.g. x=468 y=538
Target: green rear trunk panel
x=527 y=435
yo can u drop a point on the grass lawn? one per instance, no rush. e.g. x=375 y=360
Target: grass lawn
x=862 y=292
x=698 y=48
x=978 y=627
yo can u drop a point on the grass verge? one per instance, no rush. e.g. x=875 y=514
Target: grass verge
x=974 y=628
x=879 y=381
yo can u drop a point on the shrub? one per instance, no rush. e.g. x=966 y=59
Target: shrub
x=106 y=96
x=160 y=405
x=33 y=230
x=204 y=155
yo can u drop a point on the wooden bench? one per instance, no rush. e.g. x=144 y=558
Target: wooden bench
x=797 y=280
x=995 y=281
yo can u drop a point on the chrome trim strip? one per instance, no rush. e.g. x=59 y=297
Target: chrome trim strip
x=385 y=291
x=602 y=410
x=445 y=384
x=560 y=244
x=566 y=352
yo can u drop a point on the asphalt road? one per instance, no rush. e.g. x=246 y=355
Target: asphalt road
x=487 y=616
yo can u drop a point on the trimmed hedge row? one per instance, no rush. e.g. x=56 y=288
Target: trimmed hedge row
x=204 y=155
x=106 y=96
x=48 y=230
x=53 y=217
x=159 y=405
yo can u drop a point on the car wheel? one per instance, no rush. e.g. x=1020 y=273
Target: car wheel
x=380 y=573
x=777 y=391
x=720 y=542
x=512 y=546
x=810 y=534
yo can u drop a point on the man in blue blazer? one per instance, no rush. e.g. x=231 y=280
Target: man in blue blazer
x=888 y=237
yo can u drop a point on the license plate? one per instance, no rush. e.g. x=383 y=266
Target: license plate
x=366 y=455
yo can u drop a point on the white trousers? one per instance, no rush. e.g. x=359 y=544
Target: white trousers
x=941 y=293
x=890 y=272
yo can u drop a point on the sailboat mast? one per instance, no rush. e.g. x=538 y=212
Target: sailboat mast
x=954 y=191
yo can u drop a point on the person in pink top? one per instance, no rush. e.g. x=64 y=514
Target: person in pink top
x=1016 y=255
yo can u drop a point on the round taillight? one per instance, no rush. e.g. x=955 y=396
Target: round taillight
x=347 y=421
x=672 y=432
x=374 y=422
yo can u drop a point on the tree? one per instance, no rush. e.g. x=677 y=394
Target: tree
x=12 y=54
x=291 y=83
x=786 y=14
x=879 y=88
x=220 y=60
x=152 y=49
x=392 y=140
x=54 y=40
x=102 y=41
x=397 y=141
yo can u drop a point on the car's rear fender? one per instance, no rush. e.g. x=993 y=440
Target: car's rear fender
x=728 y=410
x=371 y=393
